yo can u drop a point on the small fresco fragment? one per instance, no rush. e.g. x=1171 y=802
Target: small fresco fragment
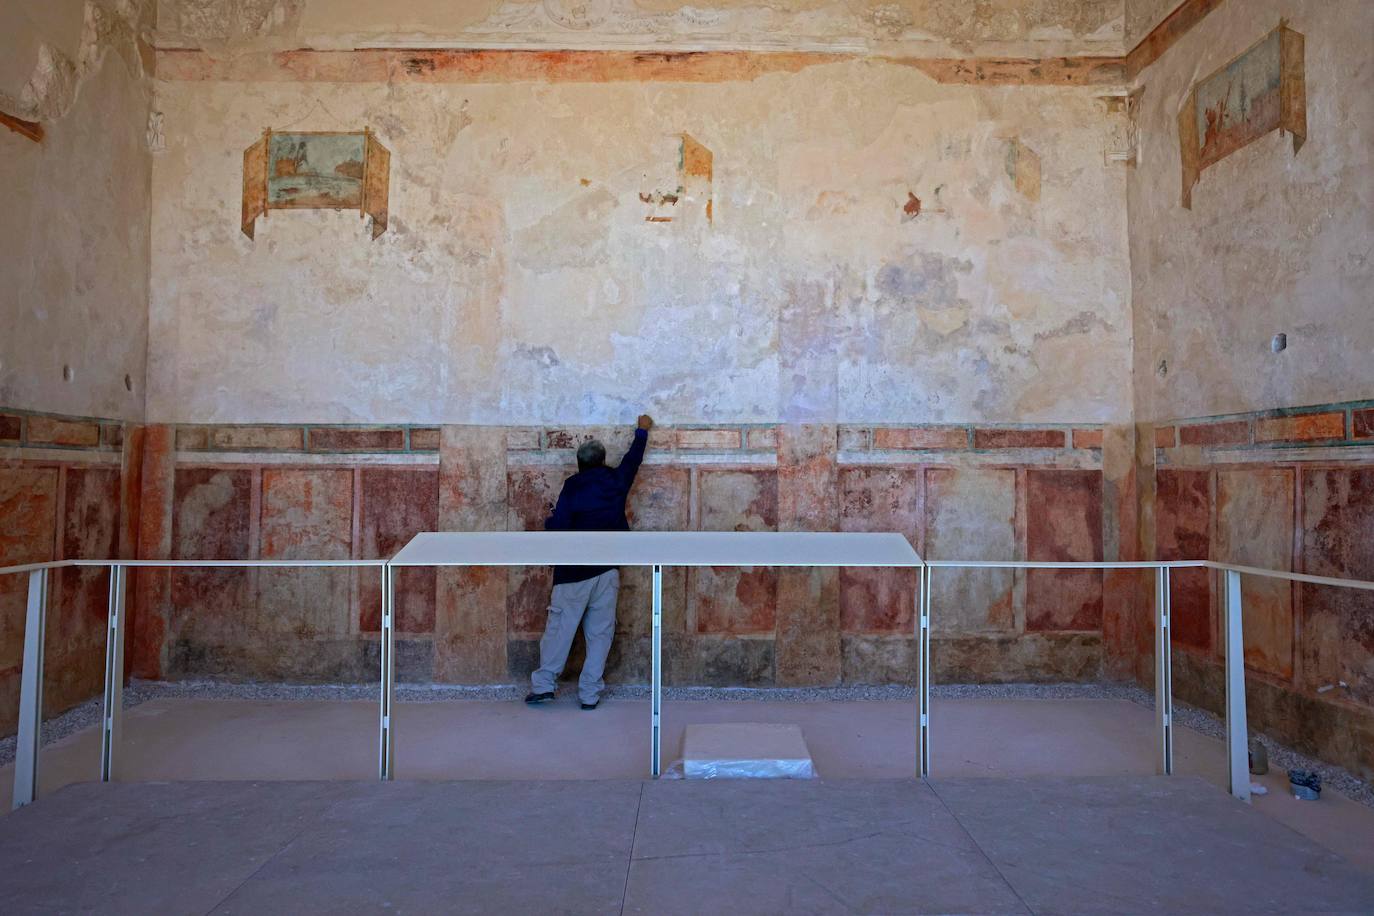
x=316 y=170
x=1263 y=89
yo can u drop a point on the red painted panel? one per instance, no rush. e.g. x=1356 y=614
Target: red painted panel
x=396 y=505
x=744 y=599
x=533 y=491
x=79 y=614
x=1183 y=508
x=879 y=499
x=734 y=600
x=211 y=520
x=28 y=518
x=1337 y=641
x=1064 y=525
x=307 y=513
x=1254 y=519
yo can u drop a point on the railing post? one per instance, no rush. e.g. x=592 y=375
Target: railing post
x=386 y=766
x=1237 y=729
x=923 y=673
x=1164 y=687
x=112 y=714
x=656 y=678
x=31 y=692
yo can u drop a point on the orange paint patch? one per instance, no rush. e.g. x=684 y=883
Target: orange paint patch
x=1021 y=71
x=484 y=66
x=1304 y=428
x=697 y=161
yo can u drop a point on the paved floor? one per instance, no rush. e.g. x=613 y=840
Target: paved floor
x=1104 y=845
x=182 y=739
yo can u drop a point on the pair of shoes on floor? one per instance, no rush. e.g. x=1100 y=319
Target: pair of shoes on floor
x=537 y=699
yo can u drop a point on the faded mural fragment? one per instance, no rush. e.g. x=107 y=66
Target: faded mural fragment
x=318 y=170
x=1262 y=90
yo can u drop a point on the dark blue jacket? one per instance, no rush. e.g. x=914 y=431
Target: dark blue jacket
x=594 y=500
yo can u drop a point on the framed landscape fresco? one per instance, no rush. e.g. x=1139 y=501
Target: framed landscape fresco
x=316 y=170
x=1261 y=90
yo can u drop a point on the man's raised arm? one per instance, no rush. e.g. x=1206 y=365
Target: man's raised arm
x=629 y=465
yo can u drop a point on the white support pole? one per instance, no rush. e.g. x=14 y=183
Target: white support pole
x=386 y=767
x=1164 y=685
x=656 y=678
x=1237 y=730
x=31 y=693
x=923 y=674
x=112 y=715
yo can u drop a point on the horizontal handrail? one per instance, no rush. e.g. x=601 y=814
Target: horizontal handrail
x=1154 y=564
x=1292 y=576
x=229 y=563
x=174 y=564
x=1360 y=584
x=1064 y=564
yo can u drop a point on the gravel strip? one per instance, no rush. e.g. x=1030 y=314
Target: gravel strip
x=87 y=715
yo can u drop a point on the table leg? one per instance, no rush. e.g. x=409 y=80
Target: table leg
x=386 y=766
x=113 y=713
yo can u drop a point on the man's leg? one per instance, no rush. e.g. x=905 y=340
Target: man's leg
x=598 y=628
x=565 y=612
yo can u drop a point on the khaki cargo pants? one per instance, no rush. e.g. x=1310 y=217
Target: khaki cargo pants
x=590 y=603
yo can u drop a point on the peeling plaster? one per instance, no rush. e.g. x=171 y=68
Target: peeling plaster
x=1275 y=241
x=996 y=27
x=510 y=291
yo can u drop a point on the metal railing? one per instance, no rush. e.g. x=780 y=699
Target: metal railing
x=31 y=677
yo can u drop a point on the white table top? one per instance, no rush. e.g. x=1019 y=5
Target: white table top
x=650 y=548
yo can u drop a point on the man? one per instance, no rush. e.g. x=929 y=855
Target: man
x=593 y=499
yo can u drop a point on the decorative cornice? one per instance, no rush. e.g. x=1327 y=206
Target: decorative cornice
x=705 y=64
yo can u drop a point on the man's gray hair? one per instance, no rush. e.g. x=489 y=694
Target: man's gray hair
x=591 y=454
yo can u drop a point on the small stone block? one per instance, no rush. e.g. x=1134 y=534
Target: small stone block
x=424 y=439
x=763 y=438
x=1087 y=438
x=854 y=438
x=746 y=750
x=920 y=437
x=1018 y=438
x=709 y=439
x=1236 y=432
x=522 y=438
x=1301 y=428
x=254 y=438
x=11 y=427
x=52 y=431
x=1362 y=425
x=341 y=439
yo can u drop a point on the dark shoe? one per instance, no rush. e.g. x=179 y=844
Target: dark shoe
x=534 y=699
x=592 y=705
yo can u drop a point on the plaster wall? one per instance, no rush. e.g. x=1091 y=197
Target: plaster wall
x=944 y=27
x=1141 y=16
x=525 y=279
x=75 y=257
x=1274 y=243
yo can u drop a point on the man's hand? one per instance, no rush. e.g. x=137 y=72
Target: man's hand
x=646 y=421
